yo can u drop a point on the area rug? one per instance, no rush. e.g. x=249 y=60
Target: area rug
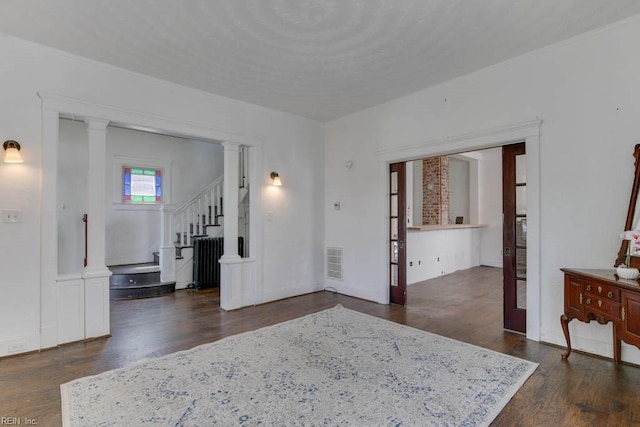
x=335 y=367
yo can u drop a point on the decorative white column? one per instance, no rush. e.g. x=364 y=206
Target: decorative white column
x=230 y=199
x=96 y=274
x=167 y=247
x=49 y=233
x=231 y=287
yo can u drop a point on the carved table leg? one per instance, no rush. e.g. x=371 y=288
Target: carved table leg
x=564 y=321
x=616 y=345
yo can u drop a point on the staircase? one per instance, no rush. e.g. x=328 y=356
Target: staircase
x=137 y=281
x=201 y=216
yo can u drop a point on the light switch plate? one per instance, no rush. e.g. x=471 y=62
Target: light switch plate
x=11 y=216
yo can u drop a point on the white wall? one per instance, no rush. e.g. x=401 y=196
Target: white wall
x=409 y=192
x=439 y=252
x=490 y=206
x=133 y=231
x=292 y=239
x=476 y=185
x=418 y=192
x=459 y=191
x=73 y=170
x=585 y=92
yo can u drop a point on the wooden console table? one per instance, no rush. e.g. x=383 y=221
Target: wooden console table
x=601 y=296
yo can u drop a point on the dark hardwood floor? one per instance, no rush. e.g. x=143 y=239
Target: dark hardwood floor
x=467 y=305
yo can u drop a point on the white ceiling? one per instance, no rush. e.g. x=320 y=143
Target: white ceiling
x=321 y=59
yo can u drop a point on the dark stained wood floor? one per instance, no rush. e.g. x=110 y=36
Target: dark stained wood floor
x=467 y=305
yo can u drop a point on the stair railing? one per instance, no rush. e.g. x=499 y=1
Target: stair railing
x=192 y=218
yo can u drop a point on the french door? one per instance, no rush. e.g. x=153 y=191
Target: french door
x=514 y=234
x=397 y=235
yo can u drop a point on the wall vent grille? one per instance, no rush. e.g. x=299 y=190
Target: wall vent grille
x=334 y=263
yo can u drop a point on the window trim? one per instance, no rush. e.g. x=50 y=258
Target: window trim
x=117 y=187
x=130 y=170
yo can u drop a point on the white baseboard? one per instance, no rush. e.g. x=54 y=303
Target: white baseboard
x=351 y=291
x=23 y=344
x=281 y=293
x=588 y=344
x=182 y=285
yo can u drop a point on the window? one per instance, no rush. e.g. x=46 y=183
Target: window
x=142 y=185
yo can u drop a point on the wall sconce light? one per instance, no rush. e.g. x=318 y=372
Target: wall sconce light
x=276 y=179
x=12 y=152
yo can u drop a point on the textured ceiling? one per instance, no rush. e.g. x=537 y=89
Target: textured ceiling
x=321 y=59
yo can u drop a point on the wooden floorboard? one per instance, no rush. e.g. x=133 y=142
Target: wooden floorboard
x=467 y=306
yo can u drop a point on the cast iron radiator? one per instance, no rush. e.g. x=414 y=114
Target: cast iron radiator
x=206 y=253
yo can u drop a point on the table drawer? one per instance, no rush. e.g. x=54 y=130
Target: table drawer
x=597 y=304
x=602 y=291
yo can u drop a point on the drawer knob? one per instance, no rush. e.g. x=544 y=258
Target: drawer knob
x=599 y=289
x=599 y=303
x=610 y=294
x=588 y=287
x=588 y=301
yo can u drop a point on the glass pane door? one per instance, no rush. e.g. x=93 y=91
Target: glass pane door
x=397 y=233
x=514 y=181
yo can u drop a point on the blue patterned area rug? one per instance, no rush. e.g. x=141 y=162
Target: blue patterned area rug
x=335 y=367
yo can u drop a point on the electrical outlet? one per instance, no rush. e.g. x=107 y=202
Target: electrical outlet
x=17 y=347
x=11 y=216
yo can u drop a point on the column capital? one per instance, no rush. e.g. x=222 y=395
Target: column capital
x=231 y=145
x=95 y=123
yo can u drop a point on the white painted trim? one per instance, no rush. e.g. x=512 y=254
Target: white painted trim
x=300 y=289
x=49 y=231
x=71 y=314
x=486 y=138
x=534 y=287
x=582 y=340
x=230 y=187
x=381 y=298
x=138 y=120
x=256 y=173
x=119 y=162
x=529 y=132
x=53 y=108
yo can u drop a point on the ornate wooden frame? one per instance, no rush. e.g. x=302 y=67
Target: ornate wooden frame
x=628 y=225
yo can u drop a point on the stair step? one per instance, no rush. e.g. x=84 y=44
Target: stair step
x=134 y=274
x=145 y=267
x=139 y=285
x=148 y=290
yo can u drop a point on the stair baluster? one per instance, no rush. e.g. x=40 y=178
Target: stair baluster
x=191 y=218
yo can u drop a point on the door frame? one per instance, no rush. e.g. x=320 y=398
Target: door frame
x=514 y=317
x=529 y=132
x=55 y=106
x=398 y=293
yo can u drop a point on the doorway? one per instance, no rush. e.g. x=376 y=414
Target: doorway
x=458 y=229
x=73 y=306
x=397 y=234
x=514 y=201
